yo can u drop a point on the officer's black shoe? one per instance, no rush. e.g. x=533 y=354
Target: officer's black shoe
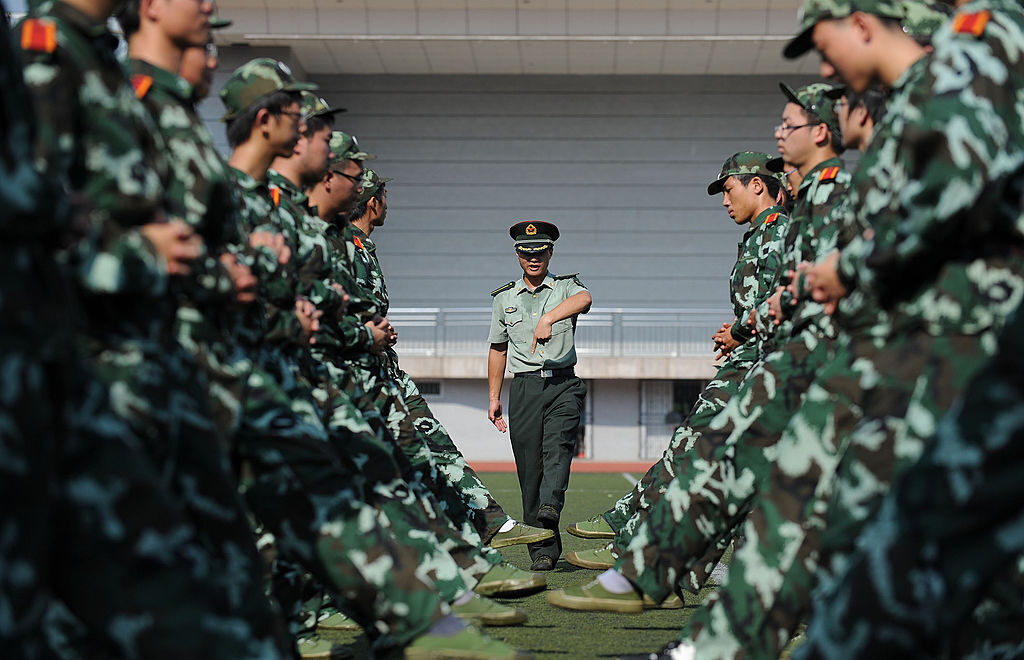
x=547 y=515
x=672 y=651
x=543 y=563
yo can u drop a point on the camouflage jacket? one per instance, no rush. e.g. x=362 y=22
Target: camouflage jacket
x=944 y=205
x=35 y=309
x=808 y=233
x=362 y=255
x=756 y=274
x=199 y=189
x=99 y=143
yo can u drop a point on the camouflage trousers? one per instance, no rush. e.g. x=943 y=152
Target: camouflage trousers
x=625 y=515
x=485 y=513
x=338 y=511
x=117 y=539
x=717 y=480
x=867 y=415
x=373 y=378
x=952 y=523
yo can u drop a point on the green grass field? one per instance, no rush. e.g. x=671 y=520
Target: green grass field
x=554 y=633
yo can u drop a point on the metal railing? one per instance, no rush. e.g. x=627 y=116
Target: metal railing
x=438 y=332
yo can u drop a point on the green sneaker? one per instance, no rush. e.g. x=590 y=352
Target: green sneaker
x=469 y=644
x=673 y=602
x=338 y=621
x=486 y=612
x=593 y=597
x=600 y=559
x=520 y=533
x=595 y=528
x=318 y=648
x=507 y=581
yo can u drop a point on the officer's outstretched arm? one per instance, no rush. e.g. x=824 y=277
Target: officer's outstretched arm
x=496 y=358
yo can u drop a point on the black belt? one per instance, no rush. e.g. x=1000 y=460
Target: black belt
x=547 y=373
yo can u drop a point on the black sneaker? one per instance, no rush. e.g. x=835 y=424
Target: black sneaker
x=543 y=563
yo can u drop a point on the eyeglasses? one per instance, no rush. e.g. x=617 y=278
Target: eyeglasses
x=294 y=114
x=356 y=179
x=786 y=129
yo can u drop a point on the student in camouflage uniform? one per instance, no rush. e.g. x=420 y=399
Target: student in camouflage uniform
x=167 y=477
x=310 y=494
x=750 y=200
x=950 y=525
x=717 y=480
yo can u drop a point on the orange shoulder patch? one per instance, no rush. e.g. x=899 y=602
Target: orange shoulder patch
x=971 y=23
x=829 y=173
x=275 y=194
x=141 y=85
x=39 y=34
x=359 y=243
x=772 y=218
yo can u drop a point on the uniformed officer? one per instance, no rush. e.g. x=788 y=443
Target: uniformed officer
x=534 y=318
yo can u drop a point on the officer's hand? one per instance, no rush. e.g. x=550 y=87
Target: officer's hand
x=542 y=333
x=494 y=414
x=245 y=282
x=176 y=243
x=309 y=318
x=275 y=242
x=720 y=335
x=752 y=321
x=823 y=282
x=379 y=329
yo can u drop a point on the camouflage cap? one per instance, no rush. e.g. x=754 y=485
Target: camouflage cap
x=346 y=147
x=814 y=98
x=315 y=106
x=372 y=182
x=255 y=79
x=921 y=19
x=216 y=23
x=533 y=235
x=744 y=162
x=814 y=11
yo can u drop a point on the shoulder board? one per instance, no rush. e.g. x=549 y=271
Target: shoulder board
x=829 y=173
x=275 y=194
x=359 y=243
x=141 y=85
x=503 y=288
x=973 y=24
x=772 y=218
x=39 y=34
x=566 y=277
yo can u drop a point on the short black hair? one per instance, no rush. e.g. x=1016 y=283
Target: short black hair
x=770 y=182
x=239 y=128
x=128 y=17
x=873 y=99
x=316 y=124
x=835 y=134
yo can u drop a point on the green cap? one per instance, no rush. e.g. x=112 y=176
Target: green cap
x=315 y=106
x=814 y=11
x=216 y=23
x=533 y=235
x=346 y=147
x=922 y=19
x=815 y=98
x=254 y=80
x=744 y=162
x=372 y=182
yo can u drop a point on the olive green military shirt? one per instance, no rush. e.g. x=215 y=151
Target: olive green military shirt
x=516 y=310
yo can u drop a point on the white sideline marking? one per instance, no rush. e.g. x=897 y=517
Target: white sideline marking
x=628 y=477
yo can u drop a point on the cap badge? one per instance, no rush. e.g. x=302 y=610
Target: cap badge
x=531 y=230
